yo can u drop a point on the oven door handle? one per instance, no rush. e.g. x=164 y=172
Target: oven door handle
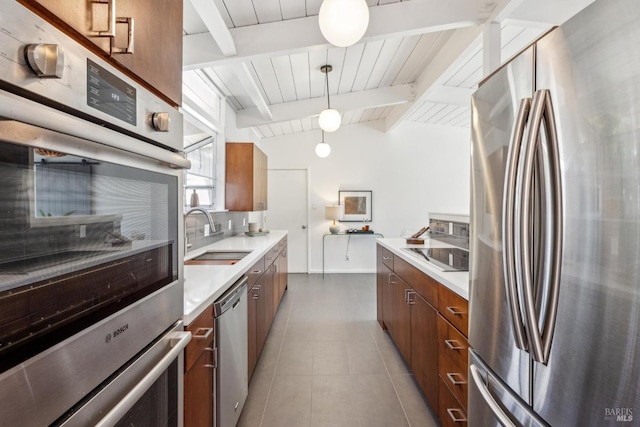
x=179 y=341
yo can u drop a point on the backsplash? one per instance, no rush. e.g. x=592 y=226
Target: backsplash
x=449 y=228
x=194 y=228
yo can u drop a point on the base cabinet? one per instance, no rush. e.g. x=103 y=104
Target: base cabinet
x=269 y=282
x=424 y=347
x=198 y=392
x=430 y=340
x=198 y=375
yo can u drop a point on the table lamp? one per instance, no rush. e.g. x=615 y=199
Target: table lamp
x=333 y=212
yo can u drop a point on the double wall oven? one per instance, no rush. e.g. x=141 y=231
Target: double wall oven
x=90 y=283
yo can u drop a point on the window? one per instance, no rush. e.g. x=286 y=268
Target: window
x=201 y=177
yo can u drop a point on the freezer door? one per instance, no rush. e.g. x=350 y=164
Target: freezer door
x=491 y=401
x=591 y=66
x=492 y=327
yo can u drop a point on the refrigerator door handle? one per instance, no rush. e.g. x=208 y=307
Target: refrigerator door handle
x=488 y=398
x=555 y=246
x=508 y=237
x=542 y=112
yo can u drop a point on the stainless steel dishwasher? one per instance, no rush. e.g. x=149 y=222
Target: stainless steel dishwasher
x=230 y=343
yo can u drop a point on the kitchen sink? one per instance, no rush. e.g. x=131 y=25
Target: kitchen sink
x=217 y=258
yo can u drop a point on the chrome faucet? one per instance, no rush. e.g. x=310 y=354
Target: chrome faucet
x=212 y=225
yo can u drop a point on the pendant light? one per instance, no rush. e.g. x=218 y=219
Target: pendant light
x=329 y=119
x=343 y=22
x=323 y=149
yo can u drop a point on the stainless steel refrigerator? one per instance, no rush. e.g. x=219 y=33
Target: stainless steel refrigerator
x=555 y=238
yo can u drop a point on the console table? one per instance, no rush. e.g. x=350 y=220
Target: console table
x=358 y=233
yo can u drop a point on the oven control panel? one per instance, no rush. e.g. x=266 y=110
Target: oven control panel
x=41 y=63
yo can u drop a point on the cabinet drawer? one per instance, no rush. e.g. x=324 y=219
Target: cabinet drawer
x=255 y=272
x=421 y=282
x=453 y=357
x=450 y=412
x=201 y=337
x=454 y=308
x=452 y=344
x=387 y=258
x=271 y=256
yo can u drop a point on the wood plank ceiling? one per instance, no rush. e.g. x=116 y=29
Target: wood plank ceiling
x=384 y=77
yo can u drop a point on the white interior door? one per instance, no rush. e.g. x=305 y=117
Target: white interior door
x=288 y=202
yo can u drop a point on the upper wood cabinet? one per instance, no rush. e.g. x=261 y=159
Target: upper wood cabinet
x=156 y=61
x=245 y=177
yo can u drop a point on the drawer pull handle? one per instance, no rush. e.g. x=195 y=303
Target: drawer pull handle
x=203 y=333
x=210 y=366
x=111 y=21
x=256 y=272
x=453 y=310
x=452 y=375
x=461 y=418
x=454 y=345
x=130 y=36
x=386 y=258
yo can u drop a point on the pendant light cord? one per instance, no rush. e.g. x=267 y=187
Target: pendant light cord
x=328 y=99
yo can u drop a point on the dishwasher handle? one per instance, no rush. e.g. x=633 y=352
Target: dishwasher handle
x=230 y=297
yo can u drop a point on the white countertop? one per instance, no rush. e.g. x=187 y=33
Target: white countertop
x=458 y=282
x=206 y=283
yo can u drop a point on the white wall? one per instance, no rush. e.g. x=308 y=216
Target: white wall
x=412 y=171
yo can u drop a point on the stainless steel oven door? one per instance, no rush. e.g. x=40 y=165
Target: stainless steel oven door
x=148 y=391
x=82 y=293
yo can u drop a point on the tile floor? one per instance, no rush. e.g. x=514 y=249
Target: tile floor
x=326 y=362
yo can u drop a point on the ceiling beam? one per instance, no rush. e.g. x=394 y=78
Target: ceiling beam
x=212 y=19
x=456 y=49
x=302 y=34
x=449 y=95
x=247 y=77
x=391 y=95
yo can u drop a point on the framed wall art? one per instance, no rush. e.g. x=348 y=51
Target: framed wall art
x=356 y=205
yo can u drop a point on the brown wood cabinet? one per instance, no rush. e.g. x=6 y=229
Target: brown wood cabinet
x=428 y=323
x=198 y=377
x=156 y=61
x=424 y=347
x=245 y=177
x=453 y=360
x=450 y=411
x=267 y=280
x=401 y=326
x=387 y=299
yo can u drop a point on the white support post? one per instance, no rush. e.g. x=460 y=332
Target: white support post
x=491 y=48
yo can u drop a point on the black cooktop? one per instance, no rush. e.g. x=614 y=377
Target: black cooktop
x=445 y=259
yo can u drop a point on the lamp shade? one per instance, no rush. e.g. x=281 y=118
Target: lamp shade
x=333 y=212
x=329 y=120
x=343 y=22
x=323 y=149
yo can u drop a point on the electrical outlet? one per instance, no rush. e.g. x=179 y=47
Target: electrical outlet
x=207 y=230
x=229 y=224
x=83 y=231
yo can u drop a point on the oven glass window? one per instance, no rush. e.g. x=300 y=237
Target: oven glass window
x=80 y=238
x=158 y=407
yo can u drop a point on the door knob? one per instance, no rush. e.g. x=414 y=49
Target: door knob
x=304 y=227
